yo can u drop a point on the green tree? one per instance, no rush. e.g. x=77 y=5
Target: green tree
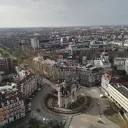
x=5 y=55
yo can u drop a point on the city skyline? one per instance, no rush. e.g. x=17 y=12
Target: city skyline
x=49 y=13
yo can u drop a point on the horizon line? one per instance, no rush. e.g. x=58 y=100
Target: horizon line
x=64 y=26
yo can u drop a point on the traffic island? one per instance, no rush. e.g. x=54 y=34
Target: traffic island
x=80 y=105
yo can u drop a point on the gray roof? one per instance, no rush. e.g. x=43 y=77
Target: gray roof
x=122 y=89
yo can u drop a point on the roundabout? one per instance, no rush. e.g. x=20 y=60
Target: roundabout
x=50 y=102
x=81 y=118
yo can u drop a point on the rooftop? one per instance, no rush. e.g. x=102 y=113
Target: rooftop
x=88 y=66
x=50 y=62
x=107 y=76
x=122 y=80
x=10 y=87
x=26 y=78
x=122 y=89
x=120 y=58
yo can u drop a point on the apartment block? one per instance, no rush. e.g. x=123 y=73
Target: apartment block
x=11 y=104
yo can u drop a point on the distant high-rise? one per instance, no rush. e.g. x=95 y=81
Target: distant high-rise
x=63 y=40
x=8 y=64
x=35 y=43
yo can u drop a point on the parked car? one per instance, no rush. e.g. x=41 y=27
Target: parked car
x=39 y=89
x=98 y=104
x=107 y=106
x=101 y=95
x=38 y=110
x=30 y=98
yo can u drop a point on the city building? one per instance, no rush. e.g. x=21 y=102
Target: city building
x=64 y=70
x=11 y=104
x=68 y=93
x=102 y=61
x=99 y=60
x=8 y=76
x=97 y=44
x=85 y=48
x=119 y=62
x=28 y=84
x=3 y=64
x=90 y=75
x=21 y=72
x=126 y=66
x=8 y=64
x=117 y=90
x=12 y=62
x=63 y=40
x=78 y=49
x=35 y=43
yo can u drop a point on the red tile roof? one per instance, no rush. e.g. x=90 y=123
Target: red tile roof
x=108 y=76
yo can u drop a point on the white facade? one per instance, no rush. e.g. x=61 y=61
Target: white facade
x=126 y=66
x=12 y=111
x=63 y=40
x=120 y=43
x=11 y=104
x=28 y=85
x=98 y=63
x=21 y=72
x=117 y=92
x=119 y=62
x=116 y=43
x=35 y=43
x=103 y=61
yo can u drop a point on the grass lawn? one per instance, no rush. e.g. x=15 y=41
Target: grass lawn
x=5 y=53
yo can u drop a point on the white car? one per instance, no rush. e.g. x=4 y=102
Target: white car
x=98 y=104
x=107 y=106
x=30 y=98
x=101 y=95
x=39 y=89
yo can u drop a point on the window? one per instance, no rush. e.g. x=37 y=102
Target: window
x=73 y=94
x=11 y=114
x=15 y=112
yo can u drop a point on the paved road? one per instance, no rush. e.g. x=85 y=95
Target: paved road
x=84 y=120
x=36 y=103
x=49 y=83
x=21 y=123
x=90 y=119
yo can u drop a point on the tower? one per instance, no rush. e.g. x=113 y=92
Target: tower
x=35 y=43
x=59 y=97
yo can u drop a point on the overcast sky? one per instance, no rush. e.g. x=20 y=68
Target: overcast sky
x=37 y=13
